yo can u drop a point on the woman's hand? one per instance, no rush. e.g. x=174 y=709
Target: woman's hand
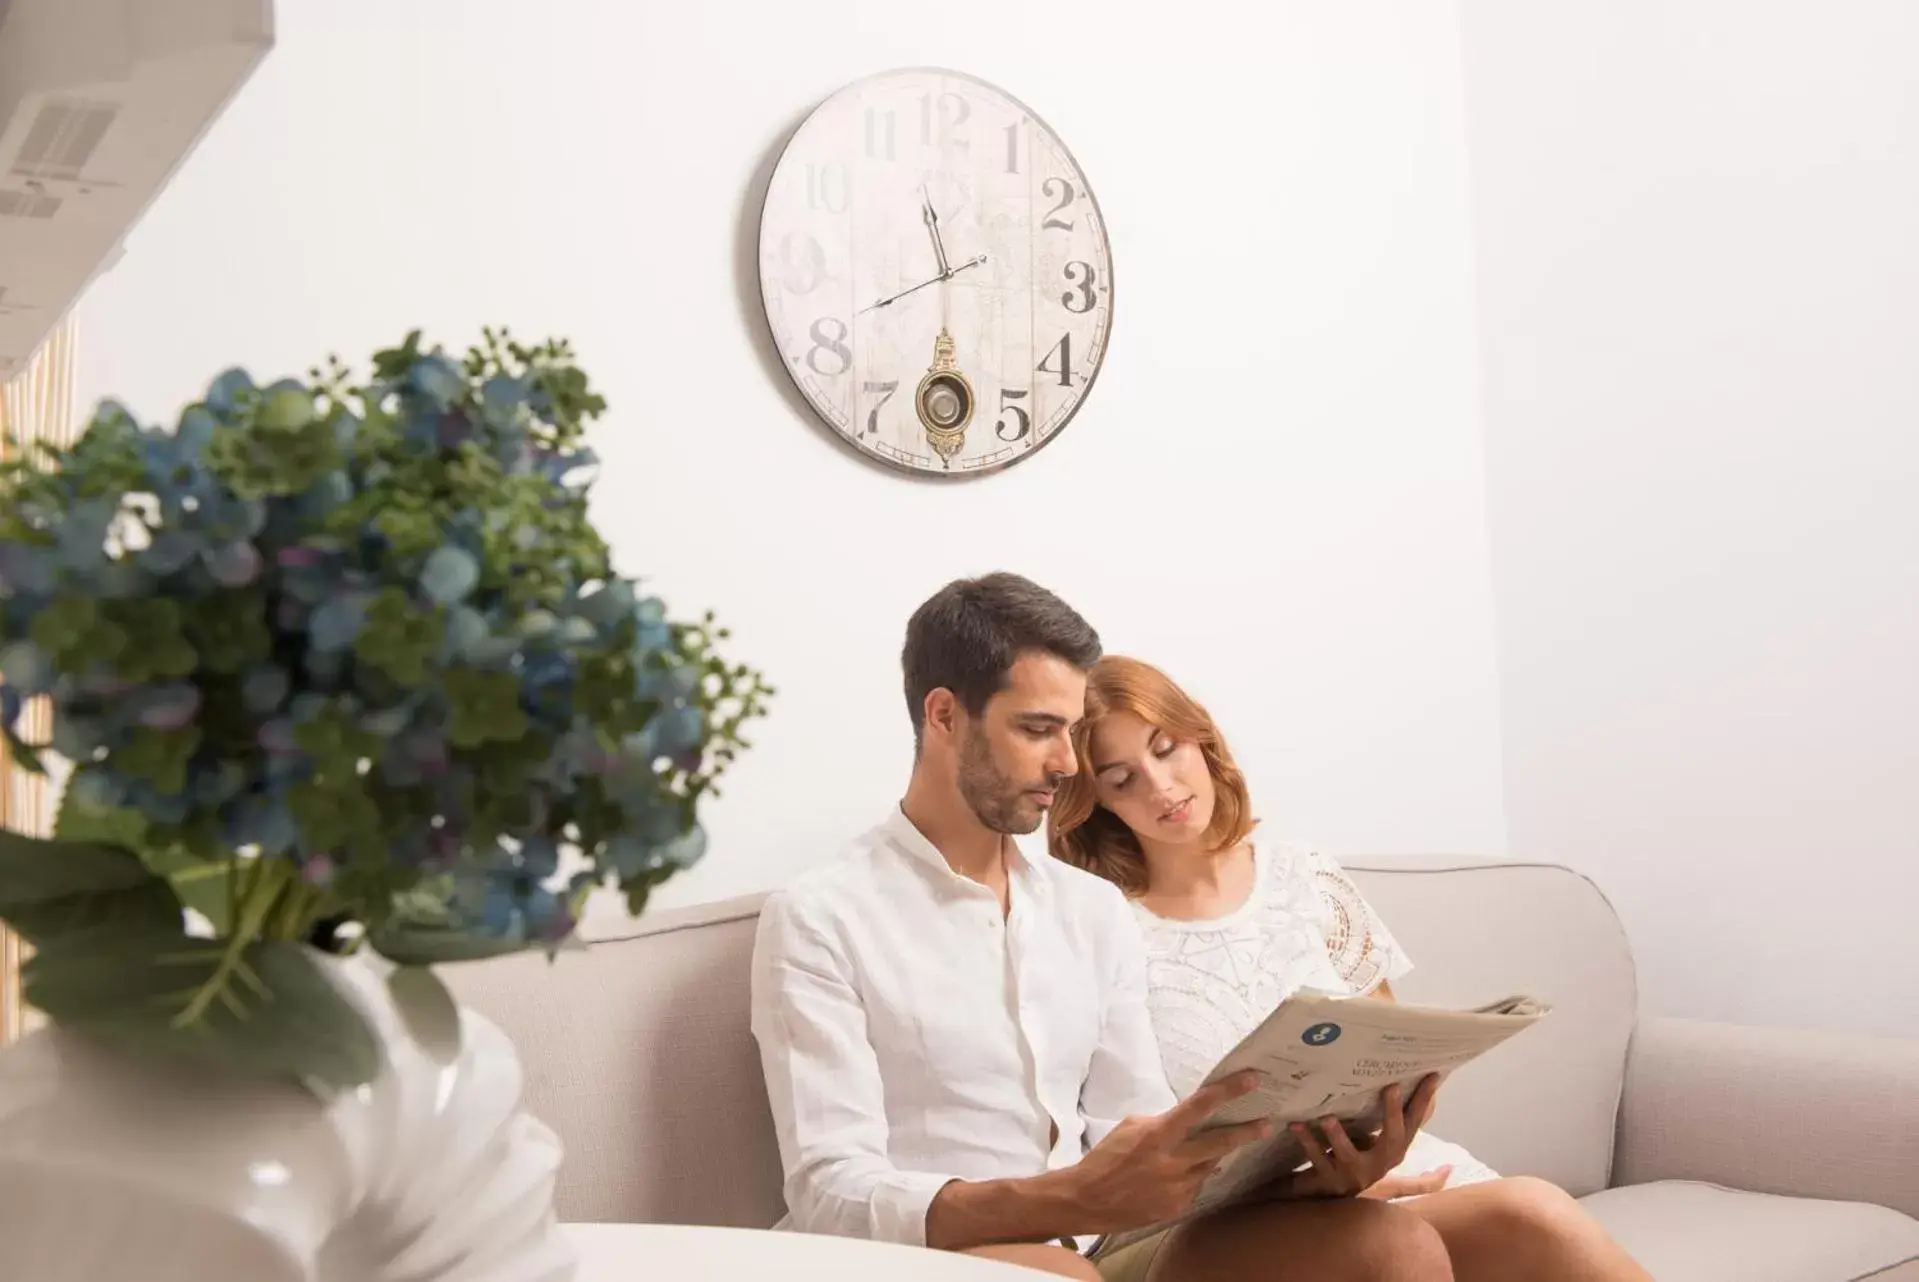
x=1343 y=1168
x=1393 y=1186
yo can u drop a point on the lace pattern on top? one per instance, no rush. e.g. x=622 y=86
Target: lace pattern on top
x=1304 y=925
x=1211 y=982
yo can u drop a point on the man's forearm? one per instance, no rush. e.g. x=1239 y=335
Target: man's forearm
x=968 y=1213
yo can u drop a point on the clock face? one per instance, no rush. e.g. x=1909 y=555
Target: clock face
x=936 y=272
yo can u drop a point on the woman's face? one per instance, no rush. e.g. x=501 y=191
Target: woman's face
x=1159 y=786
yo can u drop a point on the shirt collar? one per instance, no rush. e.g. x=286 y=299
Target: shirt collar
x=1027 y=863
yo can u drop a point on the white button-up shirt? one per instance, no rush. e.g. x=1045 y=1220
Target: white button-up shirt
x=911 y=1035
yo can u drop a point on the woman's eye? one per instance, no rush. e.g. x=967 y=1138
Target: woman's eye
x=1164 y=748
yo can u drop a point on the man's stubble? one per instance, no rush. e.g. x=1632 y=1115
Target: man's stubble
x=1000 y=804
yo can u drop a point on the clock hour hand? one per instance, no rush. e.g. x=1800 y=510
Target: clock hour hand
x=933 y=226
x=948 y=274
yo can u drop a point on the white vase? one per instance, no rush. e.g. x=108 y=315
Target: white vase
x=115 y=1168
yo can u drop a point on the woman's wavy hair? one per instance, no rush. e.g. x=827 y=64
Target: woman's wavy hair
x=1086 y=834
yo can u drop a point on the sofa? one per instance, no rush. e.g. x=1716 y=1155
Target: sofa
x=1713 y=1152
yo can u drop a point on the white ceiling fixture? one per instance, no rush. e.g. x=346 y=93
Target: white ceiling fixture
x=100 y=101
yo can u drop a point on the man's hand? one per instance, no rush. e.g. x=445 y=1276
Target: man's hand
x=1342 y=1168
x=1150 y=1168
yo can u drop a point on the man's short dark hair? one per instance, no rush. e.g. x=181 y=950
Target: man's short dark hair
x=966 y=636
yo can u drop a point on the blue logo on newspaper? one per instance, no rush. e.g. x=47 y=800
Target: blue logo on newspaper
x=1320 y=1035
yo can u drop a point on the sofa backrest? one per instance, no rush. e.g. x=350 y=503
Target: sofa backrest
x=1547 y=1102
x=637 y=1050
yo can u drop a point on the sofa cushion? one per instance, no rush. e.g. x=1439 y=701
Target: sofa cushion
x=638 y=1053
x=1690 y=1232
x=1545 y=1103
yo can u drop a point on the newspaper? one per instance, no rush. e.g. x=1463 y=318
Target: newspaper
x=1320 y=1054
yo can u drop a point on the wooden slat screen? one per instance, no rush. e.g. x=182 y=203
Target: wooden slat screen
x=36 y=404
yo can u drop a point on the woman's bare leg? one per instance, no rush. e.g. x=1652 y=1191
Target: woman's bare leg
x=1056 y=1260
x=1520 y=1230
x=1351 y=1240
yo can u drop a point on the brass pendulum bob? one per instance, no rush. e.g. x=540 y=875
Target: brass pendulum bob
x=944 y=401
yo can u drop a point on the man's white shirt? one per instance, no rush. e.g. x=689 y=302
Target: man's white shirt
x=911 y=1035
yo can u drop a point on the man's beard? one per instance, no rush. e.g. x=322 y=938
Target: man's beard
x=999 y=803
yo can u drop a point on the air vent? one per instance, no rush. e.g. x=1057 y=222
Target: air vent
x=27 y=204
x=100 y=101
x=62 y=138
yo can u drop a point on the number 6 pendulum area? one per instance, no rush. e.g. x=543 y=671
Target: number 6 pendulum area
x=944 y=401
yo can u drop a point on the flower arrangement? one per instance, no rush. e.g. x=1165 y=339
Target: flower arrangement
x=336 y=665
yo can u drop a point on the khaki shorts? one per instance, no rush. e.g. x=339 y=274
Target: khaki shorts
x=1132 y=1262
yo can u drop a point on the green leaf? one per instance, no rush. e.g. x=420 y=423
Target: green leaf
x=147 y=907
x=281 y=1017
x=107 y=825
x=421 y=944
x=24 y=756
x=199 y=884
x=428 y=1011
x=38 y=870
x=287 y=410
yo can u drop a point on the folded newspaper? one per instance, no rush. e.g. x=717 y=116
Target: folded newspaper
x=1319 y=1054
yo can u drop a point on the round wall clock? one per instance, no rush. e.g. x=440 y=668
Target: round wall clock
x=935 y=272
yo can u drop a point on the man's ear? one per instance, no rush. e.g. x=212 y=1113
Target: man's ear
x=941 y=712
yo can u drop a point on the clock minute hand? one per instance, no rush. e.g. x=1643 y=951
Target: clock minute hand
x=933 y=226
x=948 y=274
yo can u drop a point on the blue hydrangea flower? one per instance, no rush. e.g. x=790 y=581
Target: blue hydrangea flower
x=369 y=630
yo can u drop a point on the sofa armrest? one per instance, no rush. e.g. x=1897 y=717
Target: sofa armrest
x=1772 y=1110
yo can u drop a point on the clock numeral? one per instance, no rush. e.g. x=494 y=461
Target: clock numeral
x=805 y=263
x=829 y=335
x=886 y=391
x=1064 y=350
x=1084 y=293
x=882 y=135
x=1025 y=420
x=1064 y=194
x=826 y=187
x=940 y=126
x=1012 y=147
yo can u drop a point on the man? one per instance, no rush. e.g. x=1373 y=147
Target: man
x=954 y=1031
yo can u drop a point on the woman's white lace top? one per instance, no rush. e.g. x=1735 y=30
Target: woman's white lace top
x=1305 y=925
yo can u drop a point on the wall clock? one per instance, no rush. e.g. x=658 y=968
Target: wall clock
x=936 y=272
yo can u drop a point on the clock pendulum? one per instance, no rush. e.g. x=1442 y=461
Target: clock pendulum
x=944 y=400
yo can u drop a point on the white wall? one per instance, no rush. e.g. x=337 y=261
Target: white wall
x=1698 y=242
x=1281 y=460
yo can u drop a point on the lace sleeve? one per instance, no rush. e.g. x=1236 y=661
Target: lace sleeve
x=1363 y=951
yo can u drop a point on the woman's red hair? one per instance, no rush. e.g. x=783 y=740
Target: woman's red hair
x=1086 y=834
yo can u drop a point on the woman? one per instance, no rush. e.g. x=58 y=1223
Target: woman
x=1234 y=925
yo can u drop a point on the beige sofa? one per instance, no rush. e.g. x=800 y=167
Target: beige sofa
x=637 y=1051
